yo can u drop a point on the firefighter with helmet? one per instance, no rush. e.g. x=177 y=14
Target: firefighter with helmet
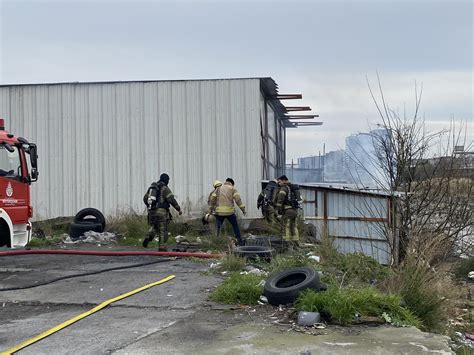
x=221 y=205
x=267 y=200
x=158 y=200
x=287 y=206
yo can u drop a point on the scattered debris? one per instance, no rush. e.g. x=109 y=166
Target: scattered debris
x=464 y=340
x=93 y=238
x=253 y=270
x=180 y=238
x=469 y=336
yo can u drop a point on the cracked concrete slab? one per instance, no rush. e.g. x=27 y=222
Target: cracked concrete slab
x=172 y=318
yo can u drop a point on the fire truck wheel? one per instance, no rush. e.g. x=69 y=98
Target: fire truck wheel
x=77 y=230
x=90 y=215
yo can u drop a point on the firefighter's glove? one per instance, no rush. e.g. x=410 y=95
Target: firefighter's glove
x=180 y=212
x=244 y=212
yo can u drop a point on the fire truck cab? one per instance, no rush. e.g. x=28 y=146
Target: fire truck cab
x=18 y=169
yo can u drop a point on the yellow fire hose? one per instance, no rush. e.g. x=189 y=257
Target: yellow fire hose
x=82 y=315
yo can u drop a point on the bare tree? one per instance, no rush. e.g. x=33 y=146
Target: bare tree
x=431 y=192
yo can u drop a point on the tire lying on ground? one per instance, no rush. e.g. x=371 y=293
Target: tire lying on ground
x=284 y=287
x=77 y=230
x=90 y=215
x=264 y=240
x=253 y=251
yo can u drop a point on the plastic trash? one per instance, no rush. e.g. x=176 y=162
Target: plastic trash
x=308 y=319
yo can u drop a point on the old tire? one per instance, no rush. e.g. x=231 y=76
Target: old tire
x=285 y=287
x=77 y=230
x=254 y=251
x=90 y=215
x=261 y=240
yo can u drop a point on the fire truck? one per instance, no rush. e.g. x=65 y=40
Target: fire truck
x=18 y=169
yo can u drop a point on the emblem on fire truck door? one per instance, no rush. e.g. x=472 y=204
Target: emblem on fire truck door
x=9 y=190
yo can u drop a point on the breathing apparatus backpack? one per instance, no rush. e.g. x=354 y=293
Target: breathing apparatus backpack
x=269 y=193
x=153 y=198
x=295 y=196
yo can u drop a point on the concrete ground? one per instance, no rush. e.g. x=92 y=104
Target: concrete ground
x=172 y=318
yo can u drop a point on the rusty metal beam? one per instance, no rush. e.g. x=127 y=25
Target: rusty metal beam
x=288 y=97
x=303 y=124
x=296 y=117
x=297 y=108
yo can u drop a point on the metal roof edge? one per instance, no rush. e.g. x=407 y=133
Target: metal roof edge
x=132 y=81
x=344 y=188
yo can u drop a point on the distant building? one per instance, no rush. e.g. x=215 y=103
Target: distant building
x=361 y=159
x=324 y=168
x=312 y=162
x=334 y=166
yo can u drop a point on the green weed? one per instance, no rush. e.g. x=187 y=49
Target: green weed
x=216 y=244
x=421 y=297
x=422 y=290
x=239 y=289
x=45 y=242
x=130 y=226
x=361 y=268
x=283 y=262
x=344 y=304
x=232 y=263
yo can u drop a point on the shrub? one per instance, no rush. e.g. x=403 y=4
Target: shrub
x=232 y=263
x=239 y=289
x=131 y=226
x=44 y=242
x=422 y=291
x=421 y=296
x=361 y=268
x=344 y=304
x=216 y=244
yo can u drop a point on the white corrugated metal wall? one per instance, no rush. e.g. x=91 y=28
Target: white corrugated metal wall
x=355 y=220
x=101 y=144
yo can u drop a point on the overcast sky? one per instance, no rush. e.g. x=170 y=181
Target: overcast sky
x=322 y=49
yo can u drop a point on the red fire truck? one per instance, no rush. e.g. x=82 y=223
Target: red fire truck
x=17 y=172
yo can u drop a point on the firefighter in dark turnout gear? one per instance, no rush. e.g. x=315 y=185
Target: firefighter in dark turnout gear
x=267 y=200
x=288 y=211
x=158 y=200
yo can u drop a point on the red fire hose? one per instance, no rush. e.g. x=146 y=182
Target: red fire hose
x=111 y=253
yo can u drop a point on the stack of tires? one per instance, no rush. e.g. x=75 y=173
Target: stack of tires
x=87 y=219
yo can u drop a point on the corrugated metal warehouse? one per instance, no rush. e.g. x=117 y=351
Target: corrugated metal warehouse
x=102 y=144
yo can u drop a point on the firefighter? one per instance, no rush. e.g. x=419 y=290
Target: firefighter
x=286 y=206
x=267 y=200
x=158 y=200
x=221 y=204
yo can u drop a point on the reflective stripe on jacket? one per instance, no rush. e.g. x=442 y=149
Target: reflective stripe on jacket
x=222 y=199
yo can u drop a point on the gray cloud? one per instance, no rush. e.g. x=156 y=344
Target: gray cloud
x=323 y=49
